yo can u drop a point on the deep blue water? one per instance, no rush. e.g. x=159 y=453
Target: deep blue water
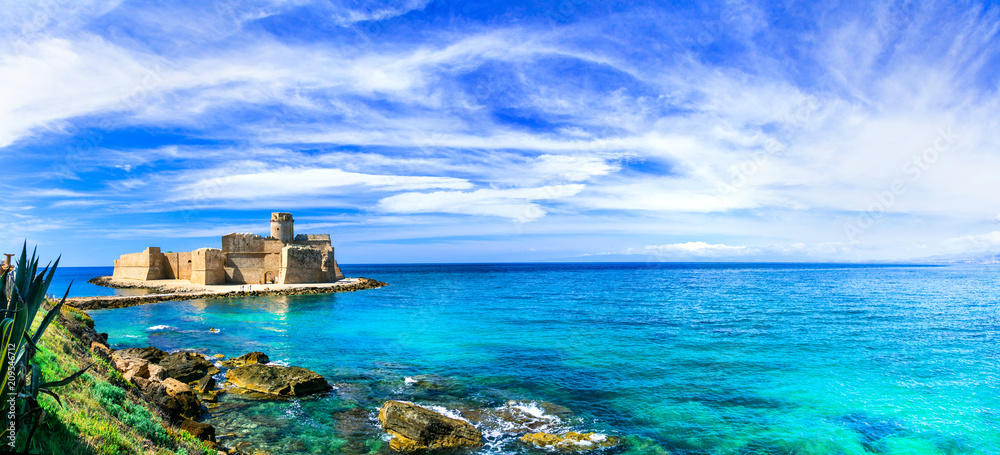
x=674 y=358
x=75 y=279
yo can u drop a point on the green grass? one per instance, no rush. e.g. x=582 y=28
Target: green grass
x=98 y=414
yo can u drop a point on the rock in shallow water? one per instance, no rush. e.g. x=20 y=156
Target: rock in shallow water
x=187 y=366
x=202 y=431
x=247 y=359
x=417 y=428
x=205 y=384
x=570 y=441
x=277 y=380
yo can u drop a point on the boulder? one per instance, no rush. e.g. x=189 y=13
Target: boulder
x=156 y=372
x=570 y=441
x=418 y=428
x=247 y=359
x=126 y=363
x=202 y=431
x=138 y=368
x=187 y=366
x=205 y=384
x=101 y=350
x=277 y=380
x=150 y=354
x=175 y=387
x=175 y=402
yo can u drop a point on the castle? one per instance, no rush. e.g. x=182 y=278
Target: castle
x=281 y=258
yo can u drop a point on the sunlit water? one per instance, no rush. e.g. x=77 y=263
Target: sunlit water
x=678 y=358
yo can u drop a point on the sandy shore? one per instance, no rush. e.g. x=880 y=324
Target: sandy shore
x=165 y=290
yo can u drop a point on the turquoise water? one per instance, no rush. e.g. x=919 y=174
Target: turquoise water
x=674 y=358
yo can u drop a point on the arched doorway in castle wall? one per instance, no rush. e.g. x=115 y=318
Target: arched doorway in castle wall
x=268 y=277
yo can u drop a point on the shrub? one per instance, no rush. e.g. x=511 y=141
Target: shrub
x=132 y=415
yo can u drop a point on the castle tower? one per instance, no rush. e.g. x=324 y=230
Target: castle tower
x=281 y=227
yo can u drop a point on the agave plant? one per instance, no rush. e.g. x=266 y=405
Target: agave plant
x=22 y=292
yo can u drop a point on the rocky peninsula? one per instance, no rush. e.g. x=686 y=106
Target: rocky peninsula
x=167 y=290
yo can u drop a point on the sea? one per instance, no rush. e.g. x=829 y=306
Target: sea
x=668 y=358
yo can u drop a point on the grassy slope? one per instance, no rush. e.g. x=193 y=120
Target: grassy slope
x=99 y=413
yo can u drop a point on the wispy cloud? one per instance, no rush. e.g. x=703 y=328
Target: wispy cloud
x=516 y=204
x=976 y=242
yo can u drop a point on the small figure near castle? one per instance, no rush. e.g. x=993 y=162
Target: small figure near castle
x=281 y=258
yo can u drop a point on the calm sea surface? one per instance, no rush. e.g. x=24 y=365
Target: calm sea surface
x=674 y=358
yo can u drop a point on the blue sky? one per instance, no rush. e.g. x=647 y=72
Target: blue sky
x=447 y=131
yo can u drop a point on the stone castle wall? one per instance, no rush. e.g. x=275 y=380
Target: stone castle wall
x=151 y=264
x=300 y=265
x=206 y=266
x=243 y=259
x=177 y=266
x=140 y=266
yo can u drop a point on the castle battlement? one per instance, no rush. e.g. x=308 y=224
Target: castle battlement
x=244 y=258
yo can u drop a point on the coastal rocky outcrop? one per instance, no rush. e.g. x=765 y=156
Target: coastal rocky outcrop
x=247 y=359
x=200 y=430
x=415 y=428
x=149 y=353
x=206 y=384
x=174 y=398
x=164 y=386
x=571 y=441
x=163 y=294
x=187 y=366
x=277 y=380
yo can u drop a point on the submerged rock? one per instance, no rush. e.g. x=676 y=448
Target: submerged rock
x=277 y=380
x=247 y=359
x=520 y=417
x=570 y=441
x=429 y=381
x=415 y=427
x=187 y=366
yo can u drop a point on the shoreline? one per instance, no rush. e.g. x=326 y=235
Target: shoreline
x=171 y=290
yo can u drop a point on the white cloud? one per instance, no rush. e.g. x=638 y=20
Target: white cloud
x=975 y=242
x=696 y=249
x=568 y=168
x=56 y=79
x=516 y=204
x=306 y=182
x=376 y=11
